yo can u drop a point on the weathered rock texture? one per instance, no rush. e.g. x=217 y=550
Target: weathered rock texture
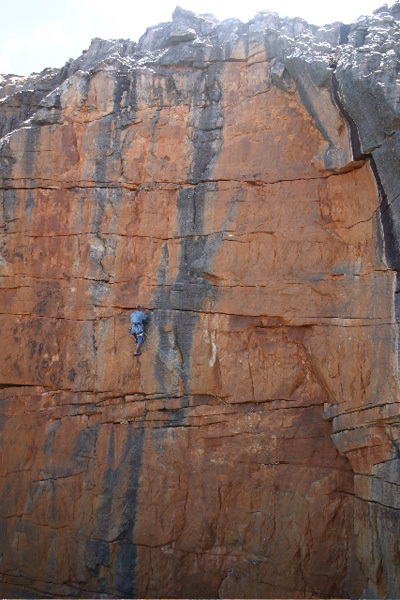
x=241 y=182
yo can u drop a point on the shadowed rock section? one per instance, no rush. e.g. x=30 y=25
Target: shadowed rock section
x=240 y=182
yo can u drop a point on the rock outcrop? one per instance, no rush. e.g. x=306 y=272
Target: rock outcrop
x=240 y=182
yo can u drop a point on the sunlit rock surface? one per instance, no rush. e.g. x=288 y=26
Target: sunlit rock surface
x=241 y=183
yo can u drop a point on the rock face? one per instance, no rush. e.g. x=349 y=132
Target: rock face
x=240 y=182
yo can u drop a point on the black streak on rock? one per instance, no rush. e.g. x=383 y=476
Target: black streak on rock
x=354 y=135
x=119 y=482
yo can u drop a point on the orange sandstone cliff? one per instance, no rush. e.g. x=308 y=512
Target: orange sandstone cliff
x=241 y=183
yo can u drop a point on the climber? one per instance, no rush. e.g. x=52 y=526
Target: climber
x=136 y=329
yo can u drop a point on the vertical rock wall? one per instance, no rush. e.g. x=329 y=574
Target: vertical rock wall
x=221 y=176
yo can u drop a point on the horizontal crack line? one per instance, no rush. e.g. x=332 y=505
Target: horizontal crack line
x=7 y=183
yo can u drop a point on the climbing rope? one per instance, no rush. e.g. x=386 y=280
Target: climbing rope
x=270 y=462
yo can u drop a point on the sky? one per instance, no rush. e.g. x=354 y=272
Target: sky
x=35 y=34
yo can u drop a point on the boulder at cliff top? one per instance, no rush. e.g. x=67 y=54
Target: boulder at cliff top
x=234 y=180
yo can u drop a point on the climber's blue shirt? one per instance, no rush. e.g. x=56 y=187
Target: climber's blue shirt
x=138 y=317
